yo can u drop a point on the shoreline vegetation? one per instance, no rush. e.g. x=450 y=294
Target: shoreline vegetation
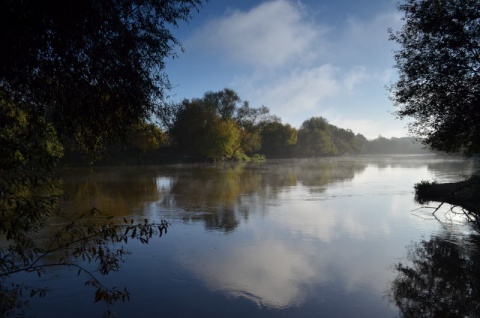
x=220 y=126
x=445 y=116
x=462 y=195
x=128 y=155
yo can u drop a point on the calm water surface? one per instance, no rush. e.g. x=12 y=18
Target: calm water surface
x=292 y=238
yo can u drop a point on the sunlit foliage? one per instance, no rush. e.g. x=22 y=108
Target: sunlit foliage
x=221 y=141
x=218 y=126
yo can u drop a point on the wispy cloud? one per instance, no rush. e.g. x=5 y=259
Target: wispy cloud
x=270 y=35
x=299 y=66
x=304 y=90
x=300 y=90
x=355 y=76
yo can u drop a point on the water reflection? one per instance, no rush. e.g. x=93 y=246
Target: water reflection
x=211 y=194
x=440 y=279
x=219 y=195
x=265 y=273
x=305 y=238
x=116 y=191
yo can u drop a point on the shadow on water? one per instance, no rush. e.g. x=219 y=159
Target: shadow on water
x=117 y=191
x=440 y=278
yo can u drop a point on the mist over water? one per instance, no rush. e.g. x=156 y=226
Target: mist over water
x=289 y=238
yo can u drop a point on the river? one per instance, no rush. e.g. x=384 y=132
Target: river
x=283 y=238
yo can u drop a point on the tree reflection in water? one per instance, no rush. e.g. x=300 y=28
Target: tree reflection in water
x=218 y=194
x=441 y=279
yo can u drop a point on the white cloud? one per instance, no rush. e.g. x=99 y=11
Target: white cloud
x=300 y=91
x=291 y=61
x=355 y=76
x=270 y=35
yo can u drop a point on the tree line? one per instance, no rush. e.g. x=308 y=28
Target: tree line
x=220 y=126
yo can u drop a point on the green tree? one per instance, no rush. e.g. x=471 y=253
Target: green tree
x=221 y=141
x=216 y=127
x=278 y=140
x=199 y=130
x=344 y=140
x=361 y=141
x=191 y=125
x=146 y=137
x=439 y=72
x=315 y=139
x=252 y=120
x=92 y=67
x=405 y=145
x=79 y=73
x=225 y=102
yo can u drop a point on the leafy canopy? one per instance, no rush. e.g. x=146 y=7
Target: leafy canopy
x=278 y=140
x=439 y=72
x=317 y=137
x=91 y=67
x=77 y=72
x=218 y=126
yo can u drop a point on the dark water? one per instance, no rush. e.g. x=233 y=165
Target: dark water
x=305 y=238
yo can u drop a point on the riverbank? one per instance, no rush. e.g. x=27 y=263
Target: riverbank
x=465 y=194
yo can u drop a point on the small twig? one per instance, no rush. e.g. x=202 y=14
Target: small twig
x=433 y=213
x=421 y=217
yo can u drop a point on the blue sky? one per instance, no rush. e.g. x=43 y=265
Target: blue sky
x=329 y=58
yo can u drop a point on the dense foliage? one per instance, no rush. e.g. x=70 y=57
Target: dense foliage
x=402 y=145
x=439 y=67
x=278 y=140
x=218 y=126
x=76 y=75
x=316 y=137
x=91 y=68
